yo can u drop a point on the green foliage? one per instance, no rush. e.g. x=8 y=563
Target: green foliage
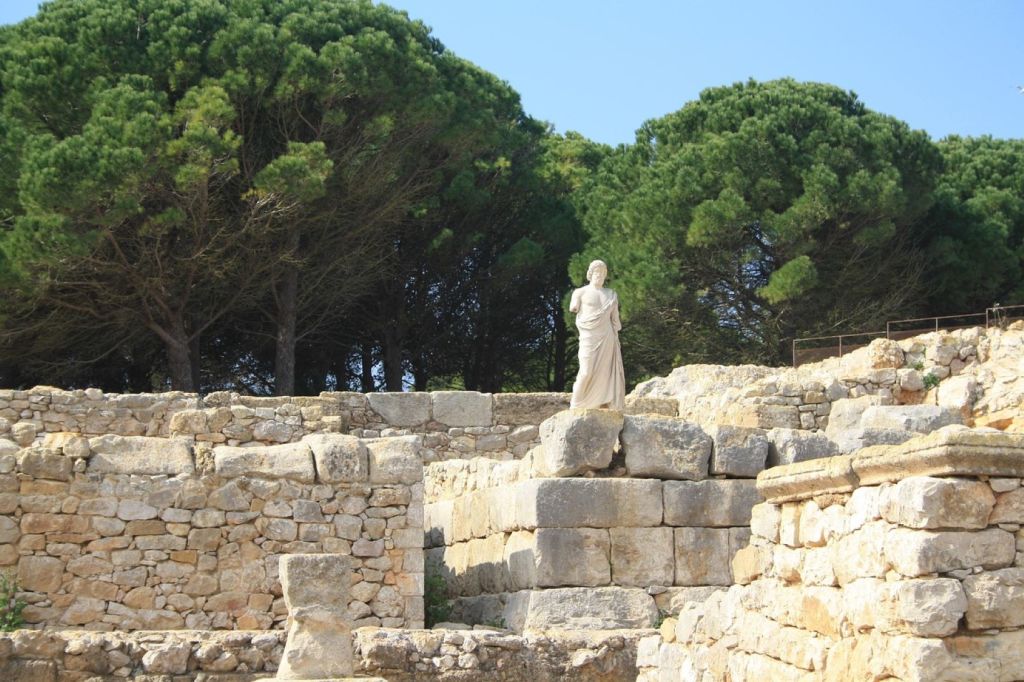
x=437 y=606
x=10 y=606
x=759 y=211
x=930 y=381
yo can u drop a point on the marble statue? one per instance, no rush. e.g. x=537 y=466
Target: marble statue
x=601 y=381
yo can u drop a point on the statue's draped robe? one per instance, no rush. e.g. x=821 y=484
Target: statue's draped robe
x=601 y=381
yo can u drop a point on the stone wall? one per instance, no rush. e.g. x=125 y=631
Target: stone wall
x=619 y=534
x=900 y=562
x=454 y=424
x=140 y=533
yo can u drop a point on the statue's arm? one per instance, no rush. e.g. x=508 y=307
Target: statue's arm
x=616 y=322
x=574 y=302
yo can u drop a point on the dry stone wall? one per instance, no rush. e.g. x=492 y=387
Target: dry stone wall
x=900 y=562
x=139 y=533
x=588 y=532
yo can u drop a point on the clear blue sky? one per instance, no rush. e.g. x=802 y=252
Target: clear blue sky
x=603 y=67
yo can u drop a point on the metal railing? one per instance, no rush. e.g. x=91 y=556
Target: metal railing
x=995 y=316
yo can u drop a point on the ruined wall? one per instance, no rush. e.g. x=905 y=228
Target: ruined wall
x=138 y=533
x=453 y=423
x=900 y=562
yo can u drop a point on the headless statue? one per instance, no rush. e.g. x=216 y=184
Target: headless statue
x=601 y=381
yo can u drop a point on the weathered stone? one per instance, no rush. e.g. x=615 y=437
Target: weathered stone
x=168 y=659
x=676 y=599
x=134 y=510
x=959 y=394
x=292 y=461
x=764 y=521
x=571 y=556
x=588 y=502
x=71 y=444
x=1009 y=507
x=575 y=441
x=395 y=460
x=668 y=407
x=581 y=608
x=995 y=599
x=665 y=447
x=339 y=458
x=528 y=408
x=462 y=408
x=788 y=446
x=702 y=556
x=272 y=431
x=738 y=451
x=40 y=573
x=926 y=502
x=641 y=557
x=919 y=552
x=709 y=503
x=316 y=592
x=845 y=414
x=859 y=438
x=401 y=409
x=46 y=464
x=919 y=418
x=140 y=455
x=24 y=433
x=8 y=447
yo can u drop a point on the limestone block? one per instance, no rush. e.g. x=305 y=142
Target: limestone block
x=71 y=444
x=169 y=658
x=401 y=409
x=520 y=558
x=995 y=599
x=919 y=418
x=8 y=447
x=46 y=464
x=1009 y=507
x=959 y=394
x=572 y=556
x=788 y=446
x=668 y=407
x=291 y=460
x=861 y=554
x=927 y=608
x=316 y=592
x=40 y=573
x=927 y=502
x=764 y=521
x=462 y=408
x=581 y=608
x=750 y=563
x=574 y=441
x=517 y=409
x=702 y=556
x=919 y=552
x=763 y=636
x=845 y=414
x=885 y=354
x=675 y=599
x=485 y=559
x=665 y=447
x=641 y=557
x=395 y=460
x=588 y=502
x=438 y=518
x=738 y=451
x=24 y=433
x=339 y=458
x=715 y=503
x=140 y=455
x=859 y=438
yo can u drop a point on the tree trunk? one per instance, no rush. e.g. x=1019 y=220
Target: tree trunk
x=179 y=360
x=366 y=382
x=392 y=356
x=561 y=341
x=287 y=312
x=193 y=349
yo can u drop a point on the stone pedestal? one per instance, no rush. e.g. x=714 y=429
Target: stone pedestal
x=319 y=642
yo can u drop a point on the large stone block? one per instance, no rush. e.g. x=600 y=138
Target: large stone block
x=140 y=455
x=845 y=415
x=665 y=447
x=574 y=441
x=44 y=463
x=919 y=418
x=292 y=461
x=919 y=552
x=575 y=557
x=738 y=451
x=789 y=446
x=462 y=408
x=401 y=409
x=339 y=458
x=316 y=592
x=395 y=460
x=588 y=502
x=515 y=409
x=1009 y=507
x=859 y=438
x=927 y=502
x=675 y=599
x=716 y=502
x=520 y=558
x=995 y=599
x=642 y=557
x=703 y=556
x=581 y=608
